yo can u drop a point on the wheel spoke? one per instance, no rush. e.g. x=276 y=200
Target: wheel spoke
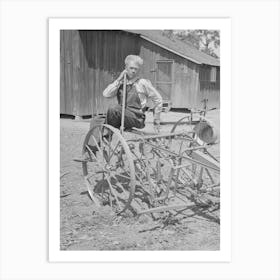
x=113 y=151
x=113 y=162
x=89 y=186
x=92 y=153
x=210 y=176
x=119 y=184
x=107 y=144
x=96 y=143
x=113 y=192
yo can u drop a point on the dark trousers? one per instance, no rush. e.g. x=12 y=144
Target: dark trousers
x=132 y=117
x=113 y=118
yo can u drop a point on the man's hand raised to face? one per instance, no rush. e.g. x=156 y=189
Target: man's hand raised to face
x=121 y=76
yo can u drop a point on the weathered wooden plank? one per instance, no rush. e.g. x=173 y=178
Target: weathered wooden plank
x=88 y=95
x=68 y=72
x=90 y=50
x=82 y=104
x=62 y=74
x=83 y=97
x=95 y=59
x=76 y=72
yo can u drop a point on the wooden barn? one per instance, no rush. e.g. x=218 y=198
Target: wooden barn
x=91 y=59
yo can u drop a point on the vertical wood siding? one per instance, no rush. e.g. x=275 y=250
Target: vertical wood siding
x=207 y=89
x=90 y=60
x=185 y=77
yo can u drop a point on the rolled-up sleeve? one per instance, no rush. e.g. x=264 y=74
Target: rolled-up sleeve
x=155 y=96
x=111 y=90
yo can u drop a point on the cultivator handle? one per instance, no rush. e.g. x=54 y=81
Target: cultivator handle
x=123 y=103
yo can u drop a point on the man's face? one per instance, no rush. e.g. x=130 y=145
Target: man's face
x=132 y=69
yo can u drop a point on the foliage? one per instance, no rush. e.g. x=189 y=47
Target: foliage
x=204 y=40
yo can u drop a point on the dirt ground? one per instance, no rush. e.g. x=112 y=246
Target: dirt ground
x=86 y=227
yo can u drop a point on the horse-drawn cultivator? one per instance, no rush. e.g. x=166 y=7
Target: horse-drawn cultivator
x=147 y=174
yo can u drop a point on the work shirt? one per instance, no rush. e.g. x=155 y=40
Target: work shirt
x=144 y=89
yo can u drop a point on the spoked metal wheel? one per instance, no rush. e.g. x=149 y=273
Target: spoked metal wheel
x=199 y=128
x=185 y=124
x=183 y=134
x=198 y=170
x=108 y=168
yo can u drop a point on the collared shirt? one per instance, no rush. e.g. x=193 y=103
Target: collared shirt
x=144 y=89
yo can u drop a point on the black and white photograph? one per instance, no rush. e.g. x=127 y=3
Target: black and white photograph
x=139 y=140
x=141 y=125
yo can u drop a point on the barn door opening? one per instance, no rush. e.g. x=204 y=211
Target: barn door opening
x=164 y=78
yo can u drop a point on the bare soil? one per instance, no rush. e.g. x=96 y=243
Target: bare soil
x=85 y=227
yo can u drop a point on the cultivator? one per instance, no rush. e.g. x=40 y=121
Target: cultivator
x=148 y=174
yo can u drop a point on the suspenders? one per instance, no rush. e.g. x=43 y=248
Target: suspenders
x=120 y=93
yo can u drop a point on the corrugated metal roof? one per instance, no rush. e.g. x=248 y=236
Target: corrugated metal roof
x=176 y=46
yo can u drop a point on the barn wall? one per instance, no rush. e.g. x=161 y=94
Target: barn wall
x=89 y=61
x=185 y=86
x=75 y=85
x=207 y=89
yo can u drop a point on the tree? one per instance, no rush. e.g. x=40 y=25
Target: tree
x=207 y=41
x=169 y=33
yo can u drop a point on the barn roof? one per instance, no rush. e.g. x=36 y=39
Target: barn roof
x=176 y=46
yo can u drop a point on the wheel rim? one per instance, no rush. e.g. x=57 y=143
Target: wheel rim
x=194 y=180
x=109 y=173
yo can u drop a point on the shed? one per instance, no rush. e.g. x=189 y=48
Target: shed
x=91 y=59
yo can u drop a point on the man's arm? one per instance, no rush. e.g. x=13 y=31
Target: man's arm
x=112 y=89
x=155 y=96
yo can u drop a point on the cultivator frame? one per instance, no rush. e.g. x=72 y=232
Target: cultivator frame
x=148 y=174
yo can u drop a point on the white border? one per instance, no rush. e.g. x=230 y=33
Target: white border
x=224 y=254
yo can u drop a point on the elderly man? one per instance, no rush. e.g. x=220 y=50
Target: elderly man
x=138 y=90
